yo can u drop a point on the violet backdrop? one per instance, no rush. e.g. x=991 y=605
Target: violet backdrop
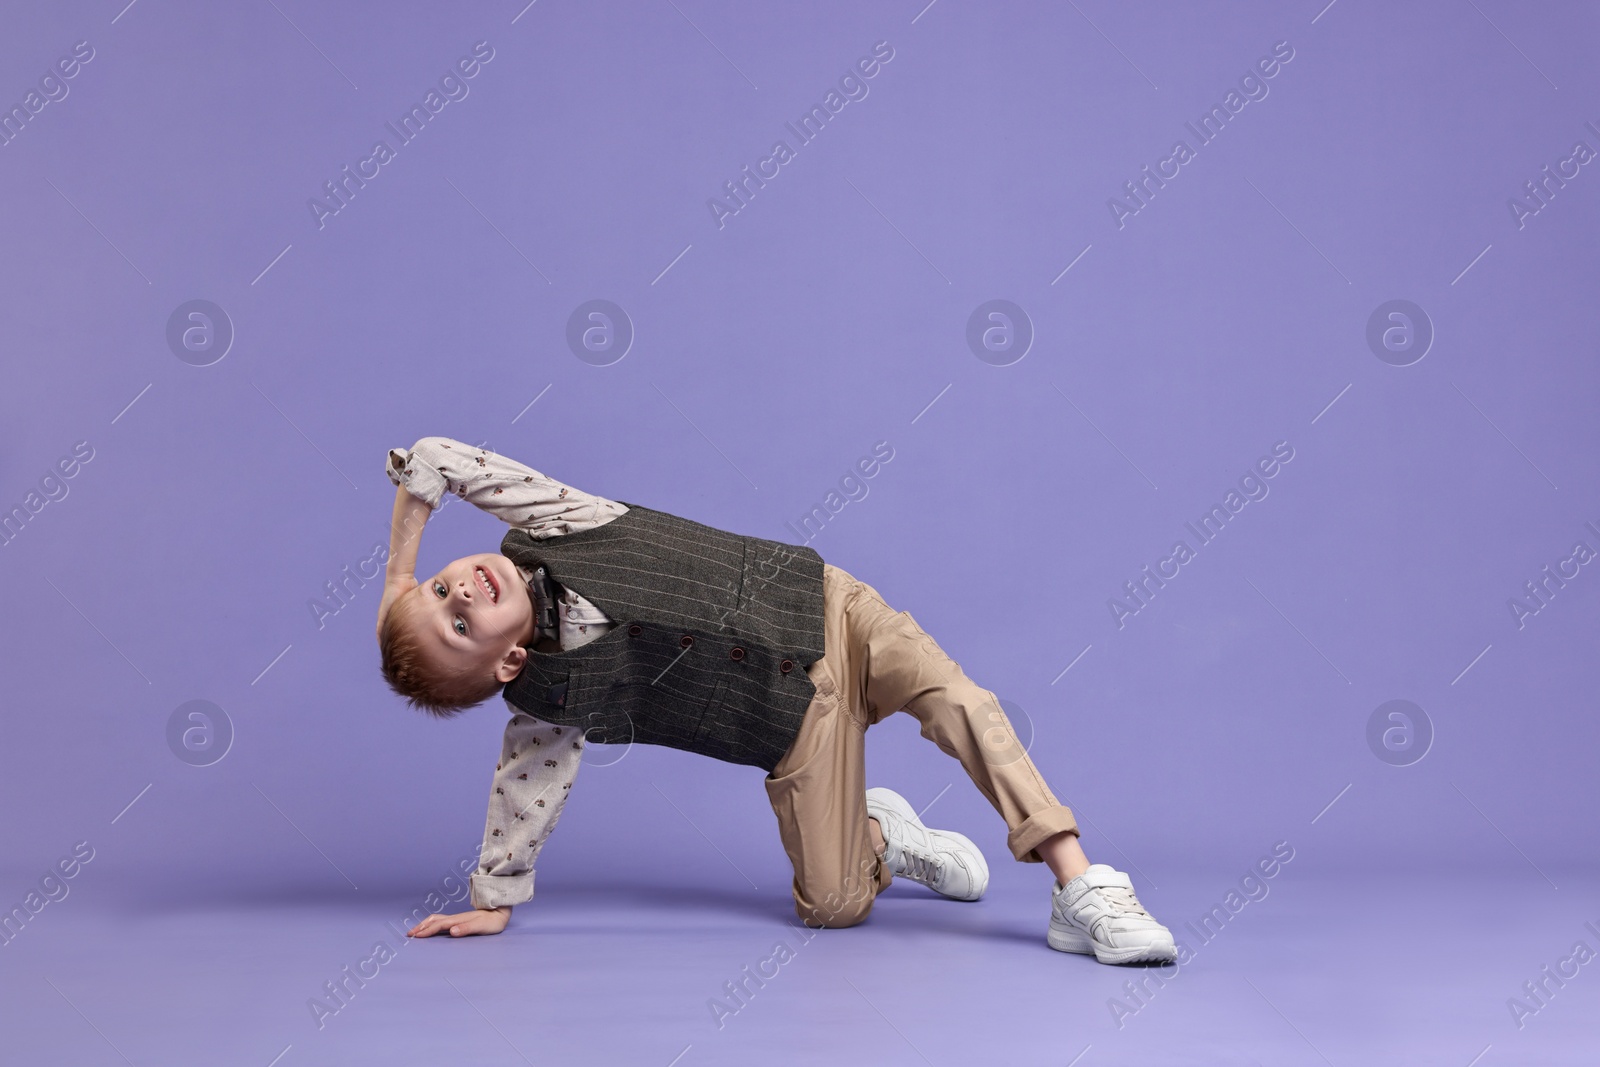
x=1176 y=328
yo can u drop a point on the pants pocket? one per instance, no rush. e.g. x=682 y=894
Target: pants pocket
x=814 y=739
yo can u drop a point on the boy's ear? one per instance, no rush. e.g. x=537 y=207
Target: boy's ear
x=512 y=665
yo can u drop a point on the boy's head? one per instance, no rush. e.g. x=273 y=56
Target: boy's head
x=454 y=639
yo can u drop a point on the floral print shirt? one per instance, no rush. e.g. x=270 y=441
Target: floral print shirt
x=538 y=760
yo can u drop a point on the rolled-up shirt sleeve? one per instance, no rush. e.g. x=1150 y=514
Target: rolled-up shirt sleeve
x=422 y=480
x=538 y=762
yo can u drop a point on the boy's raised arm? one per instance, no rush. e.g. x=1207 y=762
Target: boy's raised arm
x=420 y=487
x=405 y=537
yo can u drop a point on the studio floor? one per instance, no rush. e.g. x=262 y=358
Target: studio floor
x=1373 y=969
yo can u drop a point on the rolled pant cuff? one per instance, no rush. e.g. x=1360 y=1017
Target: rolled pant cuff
x=1024 y=839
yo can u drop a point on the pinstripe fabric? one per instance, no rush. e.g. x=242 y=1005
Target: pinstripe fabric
x=747 y=603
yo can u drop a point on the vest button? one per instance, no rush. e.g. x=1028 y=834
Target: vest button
x=686 y=640
x=634 y=629
x=736 y=652
x=786 y=666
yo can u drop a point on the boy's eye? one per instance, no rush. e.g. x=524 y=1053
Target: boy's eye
x=460 y=626
x=439 y=590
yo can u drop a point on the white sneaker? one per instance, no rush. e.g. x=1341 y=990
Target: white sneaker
x=943 y=860
x=1097 y=912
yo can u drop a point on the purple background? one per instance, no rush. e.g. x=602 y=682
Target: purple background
x=770 y=354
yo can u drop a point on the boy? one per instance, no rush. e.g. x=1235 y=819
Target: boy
x=611 y=622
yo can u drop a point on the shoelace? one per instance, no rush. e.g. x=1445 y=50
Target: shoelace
x=920 y=868
x=1122 y=900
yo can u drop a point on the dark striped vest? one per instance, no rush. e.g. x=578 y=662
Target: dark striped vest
x=713 y=632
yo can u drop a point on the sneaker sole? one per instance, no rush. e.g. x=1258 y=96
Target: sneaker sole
x=900 y=806
x=1076 y=941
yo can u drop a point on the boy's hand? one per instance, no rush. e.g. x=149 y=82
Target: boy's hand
x=477 y=921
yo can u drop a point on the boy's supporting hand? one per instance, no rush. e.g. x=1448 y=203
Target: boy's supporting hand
x=477 y=921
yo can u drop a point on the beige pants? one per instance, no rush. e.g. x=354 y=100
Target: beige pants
x=879 y=661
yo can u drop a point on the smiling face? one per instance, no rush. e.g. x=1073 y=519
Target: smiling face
x=476 y=613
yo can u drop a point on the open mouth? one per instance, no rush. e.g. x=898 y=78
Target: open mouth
x=486 y=583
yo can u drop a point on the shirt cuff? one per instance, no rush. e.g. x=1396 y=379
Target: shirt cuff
x=420 y=479
x=498 y=891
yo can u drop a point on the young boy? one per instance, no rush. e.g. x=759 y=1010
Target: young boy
x=603 y=621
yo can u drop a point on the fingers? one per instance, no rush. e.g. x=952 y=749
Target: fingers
x=433 y=924
x=462 y=925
